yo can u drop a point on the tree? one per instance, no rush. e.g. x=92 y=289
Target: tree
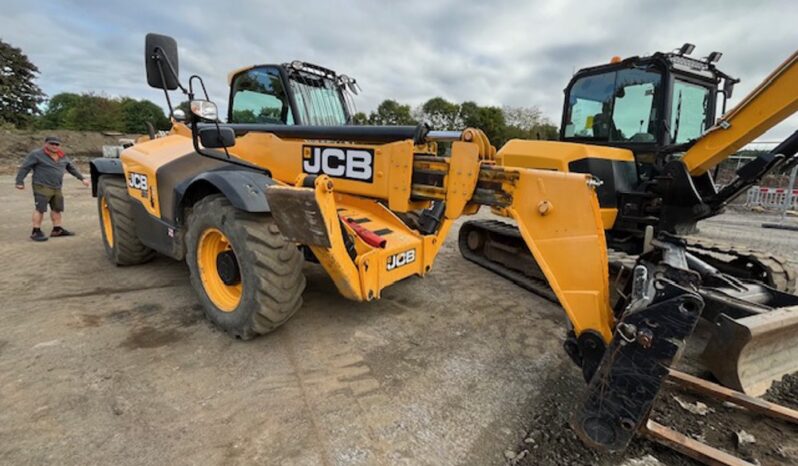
x=19 y=95
x=391 y=112
x=360 y=118
x=489 y=119
x=523 y=117
x=57 y=107
x=441 y=114
x=185 y=106
x=94 y=113
x=136 y=114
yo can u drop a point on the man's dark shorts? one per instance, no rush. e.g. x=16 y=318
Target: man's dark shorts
x=43 y=195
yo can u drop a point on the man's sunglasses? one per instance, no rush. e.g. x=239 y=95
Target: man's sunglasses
x=56 y=144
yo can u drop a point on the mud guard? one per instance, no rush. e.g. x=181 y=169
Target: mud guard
x=245 y=189
x=646 y=342
x=104 y=166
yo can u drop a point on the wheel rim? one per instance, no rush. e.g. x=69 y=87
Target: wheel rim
x=211 y=245
x=108 y=228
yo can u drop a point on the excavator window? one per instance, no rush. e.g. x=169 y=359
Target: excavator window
x=688 y=111
x=259 y=97
x=617 y=106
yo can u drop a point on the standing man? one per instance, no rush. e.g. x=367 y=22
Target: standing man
x=48 y=165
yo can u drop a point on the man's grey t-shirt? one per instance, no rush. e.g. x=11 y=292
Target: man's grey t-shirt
x=46 y=171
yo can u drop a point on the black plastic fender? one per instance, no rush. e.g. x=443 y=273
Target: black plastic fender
x=104 y=166
x=246 y=189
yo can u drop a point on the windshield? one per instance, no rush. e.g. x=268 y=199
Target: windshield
x=318 y=99
x=688 y=111
x=619 y=106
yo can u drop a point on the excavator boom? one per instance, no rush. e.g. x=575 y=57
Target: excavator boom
x=763 y=108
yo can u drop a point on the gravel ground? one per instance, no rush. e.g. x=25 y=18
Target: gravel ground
x=108 y=365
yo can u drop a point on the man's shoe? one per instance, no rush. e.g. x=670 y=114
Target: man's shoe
x=37 y=235
x=58 y=231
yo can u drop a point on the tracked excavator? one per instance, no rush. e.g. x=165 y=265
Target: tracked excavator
x=645 y=129
x=283 y=181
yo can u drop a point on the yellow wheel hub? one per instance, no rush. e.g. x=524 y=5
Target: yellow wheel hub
x=108 y=229
x=218 y=270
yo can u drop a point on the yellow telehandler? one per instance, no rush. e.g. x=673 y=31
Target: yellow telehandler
x=285 y=179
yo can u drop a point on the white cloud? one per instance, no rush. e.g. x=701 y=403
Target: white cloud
x=508 y=52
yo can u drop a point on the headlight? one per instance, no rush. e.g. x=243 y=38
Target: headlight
x=205 y=109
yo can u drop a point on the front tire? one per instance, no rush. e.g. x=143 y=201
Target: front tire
x=117 y=224
x=246 y=274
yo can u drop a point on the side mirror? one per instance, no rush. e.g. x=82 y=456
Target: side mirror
x=161 y=50
x=214 y=138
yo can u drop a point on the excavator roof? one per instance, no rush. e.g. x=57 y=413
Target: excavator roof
x=678 y=62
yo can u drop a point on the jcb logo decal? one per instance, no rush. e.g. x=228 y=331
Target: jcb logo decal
x=337 y=162
x=138 y=181
x=403 y=258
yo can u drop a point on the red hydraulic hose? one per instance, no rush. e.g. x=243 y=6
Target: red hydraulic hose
x=371 y=238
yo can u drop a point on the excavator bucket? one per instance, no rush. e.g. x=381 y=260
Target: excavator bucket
x=748 y=354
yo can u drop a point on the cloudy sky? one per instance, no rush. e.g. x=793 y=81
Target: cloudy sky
x=504 y=52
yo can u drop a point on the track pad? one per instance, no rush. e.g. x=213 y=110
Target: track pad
x=646 y=342
x=298 y=215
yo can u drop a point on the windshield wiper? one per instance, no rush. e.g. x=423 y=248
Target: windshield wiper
x=678 y=118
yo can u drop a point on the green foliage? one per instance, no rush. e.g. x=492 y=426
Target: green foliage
x=136 y=114
x=360 y=118
x=391 y=112
x=57 y=107
x=244 y=116
x=499 y=124
x=19 y=95
x=91 y=112
x=440 y=113
x=185 y=106
x=94 y=113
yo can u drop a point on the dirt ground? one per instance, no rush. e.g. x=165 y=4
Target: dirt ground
x=108 y=365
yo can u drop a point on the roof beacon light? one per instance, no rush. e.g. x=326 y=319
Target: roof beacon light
x=686 y=49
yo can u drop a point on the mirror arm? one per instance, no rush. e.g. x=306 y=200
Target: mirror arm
x=165 y=92
x=161 y=56
x=202 y=84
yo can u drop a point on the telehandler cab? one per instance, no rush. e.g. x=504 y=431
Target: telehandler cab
x=244 y=202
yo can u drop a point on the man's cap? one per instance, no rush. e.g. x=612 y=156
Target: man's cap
x=54 y=139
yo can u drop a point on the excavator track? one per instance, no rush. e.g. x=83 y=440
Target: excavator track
x=506 y=243
x=492 y=243
x=747 y=263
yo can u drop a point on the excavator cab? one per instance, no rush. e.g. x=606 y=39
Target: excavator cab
x=651 y=105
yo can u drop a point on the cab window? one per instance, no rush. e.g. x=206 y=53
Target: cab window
x=619 y=106
x=259 y=97
x=688 y=111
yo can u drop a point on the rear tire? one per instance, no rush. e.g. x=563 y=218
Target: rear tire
x=264 y=288
x=117 y=224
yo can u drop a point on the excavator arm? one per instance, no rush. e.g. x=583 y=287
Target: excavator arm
x=766 y=106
